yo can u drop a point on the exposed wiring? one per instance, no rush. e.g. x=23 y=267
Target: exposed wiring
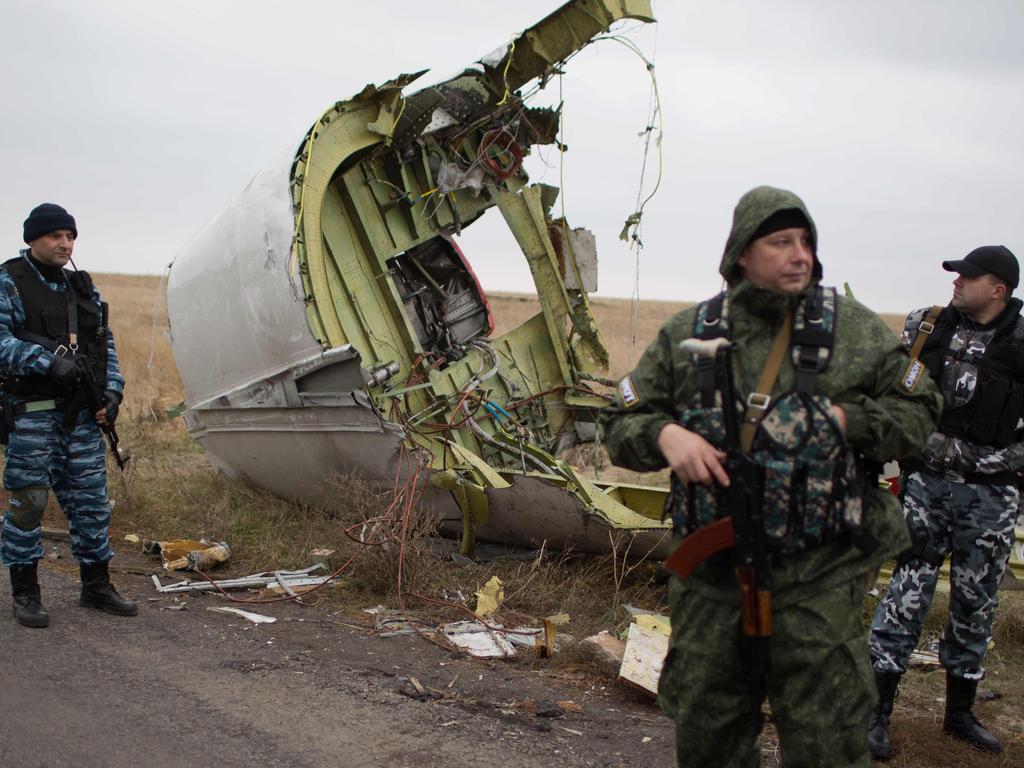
x=504 y=73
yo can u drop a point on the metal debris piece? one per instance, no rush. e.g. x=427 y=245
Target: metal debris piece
x=255 y=618
x=256 y=581
x=924 y=659
x=484 y=644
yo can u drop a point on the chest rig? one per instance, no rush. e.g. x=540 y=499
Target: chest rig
x=811 y=482
x=995 y=407
x=53 y=319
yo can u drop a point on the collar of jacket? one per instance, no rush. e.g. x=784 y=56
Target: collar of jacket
x=1007 y=317
x=764 y=303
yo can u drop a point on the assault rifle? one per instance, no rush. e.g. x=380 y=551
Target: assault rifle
x=90 y=394
x=742 y=530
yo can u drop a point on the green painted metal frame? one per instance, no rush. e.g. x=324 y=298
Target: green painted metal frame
x=353 y=213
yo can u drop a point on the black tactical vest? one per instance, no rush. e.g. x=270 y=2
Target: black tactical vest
x=990 y=417
x=48 y=321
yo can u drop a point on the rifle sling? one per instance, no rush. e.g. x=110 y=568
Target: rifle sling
x=924 y=330
x=760 y=398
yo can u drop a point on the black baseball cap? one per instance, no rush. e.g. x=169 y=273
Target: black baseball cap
x=995 y=260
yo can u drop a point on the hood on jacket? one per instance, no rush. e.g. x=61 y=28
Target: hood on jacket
x=751 y=211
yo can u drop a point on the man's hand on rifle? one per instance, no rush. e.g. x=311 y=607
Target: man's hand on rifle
x=691 y=457
x=108 y=414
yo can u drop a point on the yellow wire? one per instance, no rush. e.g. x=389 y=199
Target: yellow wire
x=504 y=74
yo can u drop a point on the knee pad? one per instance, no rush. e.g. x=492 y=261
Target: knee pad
x=28 y=505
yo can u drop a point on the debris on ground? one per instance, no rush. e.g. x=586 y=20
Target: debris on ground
x=477 y=640
x=133 y=538
x=484 y=640
x=924 y=660
x=321 y=552
x=414 y=689
x=289 y=582
x=255 y=618
x=188 y=554
x=605 y=649
x=926 y=655
x=490 y=597
x=646 y=646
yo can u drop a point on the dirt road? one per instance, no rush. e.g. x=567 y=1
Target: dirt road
x=198 y=688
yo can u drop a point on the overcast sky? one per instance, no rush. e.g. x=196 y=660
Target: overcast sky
x=899 y=123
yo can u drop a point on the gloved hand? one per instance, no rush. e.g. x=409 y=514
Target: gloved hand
x=113 y=404
x=64 y=372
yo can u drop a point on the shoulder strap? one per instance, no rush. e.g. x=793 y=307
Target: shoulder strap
x=761 y=397
x=710 y=322
x=924 y=330
x=814 y=334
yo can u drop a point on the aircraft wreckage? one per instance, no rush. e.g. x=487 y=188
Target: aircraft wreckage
x=326 y=322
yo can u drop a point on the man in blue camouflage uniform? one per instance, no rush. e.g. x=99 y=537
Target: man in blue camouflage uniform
x=53 y=326
x=818 y=681
x=961 y=497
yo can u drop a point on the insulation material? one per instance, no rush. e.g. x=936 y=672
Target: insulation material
x=644 y=657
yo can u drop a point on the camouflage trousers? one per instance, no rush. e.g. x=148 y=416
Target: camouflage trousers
x=41 y=455
x=819 y=684
x=974 y=522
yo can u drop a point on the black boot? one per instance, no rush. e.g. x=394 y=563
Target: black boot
x=28 y=607
x=960 y=721
x=98 y=592
x=879 y=742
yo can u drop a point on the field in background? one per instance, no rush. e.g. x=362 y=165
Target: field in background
x=170 y=491
x=139 y=319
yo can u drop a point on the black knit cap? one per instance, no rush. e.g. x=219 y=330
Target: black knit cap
x=47 y=218
x=787 y=218
x=995 y=260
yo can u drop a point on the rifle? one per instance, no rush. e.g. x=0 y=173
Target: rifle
x=96 y=400
x=742 y=530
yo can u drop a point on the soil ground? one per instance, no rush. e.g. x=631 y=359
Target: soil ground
x=191 y=687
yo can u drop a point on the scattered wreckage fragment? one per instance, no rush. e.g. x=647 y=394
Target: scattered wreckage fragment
x=288 y=581
x=326 y=323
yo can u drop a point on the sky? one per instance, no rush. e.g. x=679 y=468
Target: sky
x=898 y=123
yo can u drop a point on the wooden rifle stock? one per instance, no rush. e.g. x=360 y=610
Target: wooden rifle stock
x=699 y=546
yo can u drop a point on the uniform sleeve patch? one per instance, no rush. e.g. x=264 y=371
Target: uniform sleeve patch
x=627 y=391
x=912 y=375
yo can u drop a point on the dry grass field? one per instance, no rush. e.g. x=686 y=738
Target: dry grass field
x=171 y=491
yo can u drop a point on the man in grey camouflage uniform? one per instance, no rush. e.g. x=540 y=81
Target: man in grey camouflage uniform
x=52 y=329
x=961 y=497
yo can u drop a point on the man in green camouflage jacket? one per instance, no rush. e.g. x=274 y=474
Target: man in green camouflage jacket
x=819 y=680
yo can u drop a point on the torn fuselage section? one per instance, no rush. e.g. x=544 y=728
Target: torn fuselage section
x=377 y=189
x=380 y=186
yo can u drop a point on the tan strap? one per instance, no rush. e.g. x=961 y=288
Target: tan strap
x=924 y=330
x=761 y=397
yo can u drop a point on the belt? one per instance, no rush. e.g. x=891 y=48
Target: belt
x=35 y=406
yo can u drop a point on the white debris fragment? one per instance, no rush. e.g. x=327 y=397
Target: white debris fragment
x=256 y=618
